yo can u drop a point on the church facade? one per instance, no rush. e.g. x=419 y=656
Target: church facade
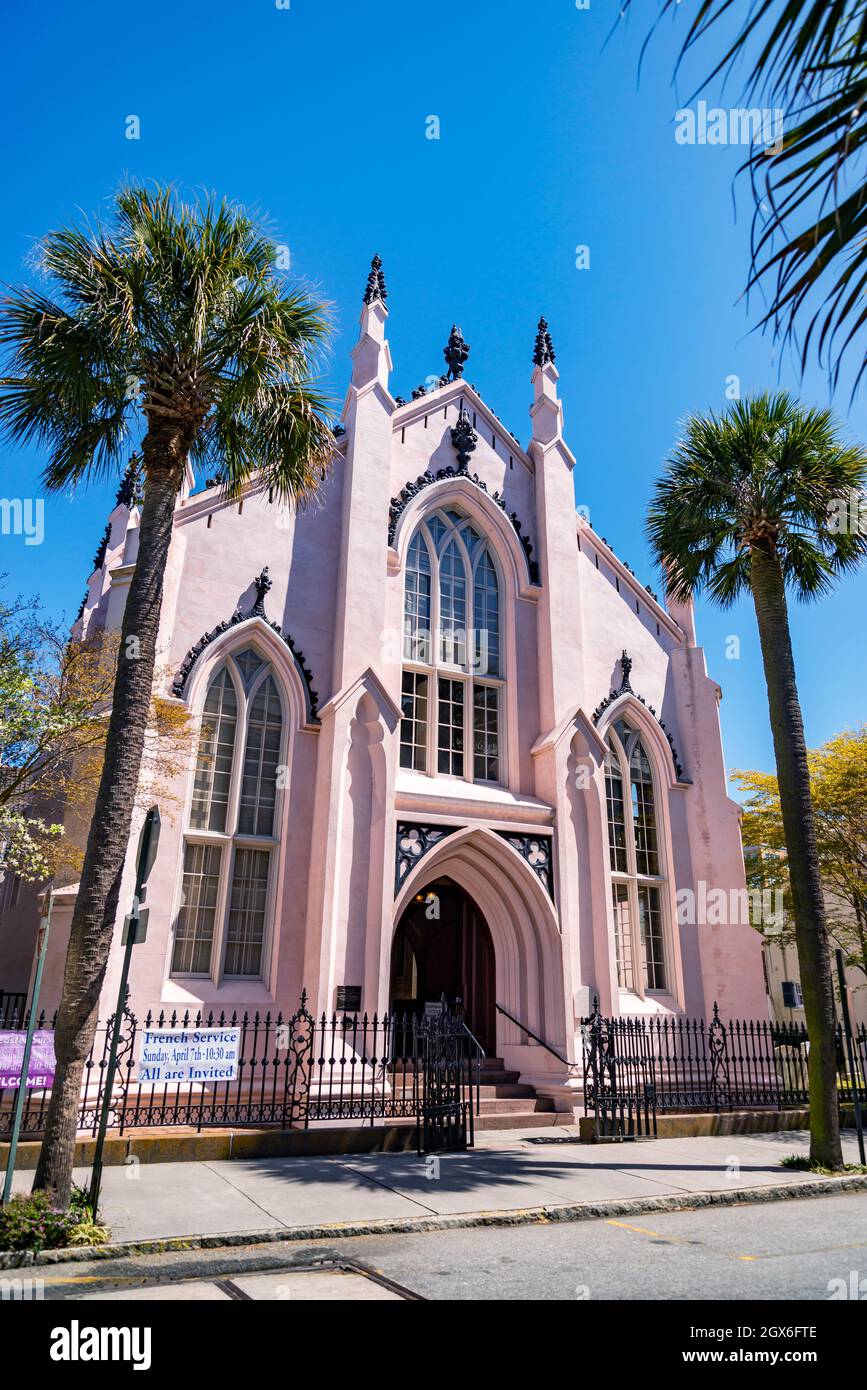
x=449 y=745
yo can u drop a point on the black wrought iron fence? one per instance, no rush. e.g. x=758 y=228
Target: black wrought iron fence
x=636 y=1067
x=289 y=1070
x=12 y=1006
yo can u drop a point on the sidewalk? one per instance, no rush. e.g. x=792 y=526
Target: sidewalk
x=508 y=1171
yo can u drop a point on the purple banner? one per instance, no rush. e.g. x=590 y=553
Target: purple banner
x=40 y=1071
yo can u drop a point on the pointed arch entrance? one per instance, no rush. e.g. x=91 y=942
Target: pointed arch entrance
x=442 y=946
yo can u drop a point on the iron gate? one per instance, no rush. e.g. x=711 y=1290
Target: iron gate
x=445 y=1117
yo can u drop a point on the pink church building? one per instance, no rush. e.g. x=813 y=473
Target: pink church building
x=449 y=744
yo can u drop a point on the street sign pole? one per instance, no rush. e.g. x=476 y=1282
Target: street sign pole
x=41 y=948
x=850 y=1052
x=134 y=931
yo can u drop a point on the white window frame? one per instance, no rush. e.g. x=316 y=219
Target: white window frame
x=231 y=839
x=437 y=668
x=630 y=877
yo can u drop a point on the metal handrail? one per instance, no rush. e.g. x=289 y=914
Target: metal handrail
x=480 y=1055
x=535 y=1036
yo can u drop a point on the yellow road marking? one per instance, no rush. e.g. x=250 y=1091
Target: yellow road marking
x=642 y=1230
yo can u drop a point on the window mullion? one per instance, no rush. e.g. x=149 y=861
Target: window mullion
x=469 y=731
x=640 y=972
x=227 y=865
x=469 y=698
x=433 y=704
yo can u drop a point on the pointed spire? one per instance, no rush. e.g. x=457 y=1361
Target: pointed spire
x=375 y=283
x=371 y=360
x=546 y=411
x=456 y=352
x=543 y=351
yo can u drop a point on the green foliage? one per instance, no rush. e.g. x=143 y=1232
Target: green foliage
x=770 y=473
x=800 y=1163
x=171 y=321
x=29 y=1222
x=838 y=790
x=53 y=694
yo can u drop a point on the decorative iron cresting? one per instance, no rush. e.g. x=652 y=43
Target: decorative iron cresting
x=262 y=583
x=399 y=504
x=99 y=557
x=413 y=842
x=537 y=850
x=648 y=589
x=626 y=689
x=131 y=489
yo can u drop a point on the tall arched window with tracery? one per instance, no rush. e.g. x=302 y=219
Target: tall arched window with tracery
x=452 y=693
x=230 y=840
x=637 y=871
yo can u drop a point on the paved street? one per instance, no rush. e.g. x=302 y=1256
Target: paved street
x=788 y=1250
x=510 y=1171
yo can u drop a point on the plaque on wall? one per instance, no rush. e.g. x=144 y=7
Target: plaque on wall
x=348 y=999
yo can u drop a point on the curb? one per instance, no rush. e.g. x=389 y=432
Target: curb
x=417 y=1225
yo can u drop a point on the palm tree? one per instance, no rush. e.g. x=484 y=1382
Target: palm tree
x=751 y=502
x=170 y=330
x=808 y=59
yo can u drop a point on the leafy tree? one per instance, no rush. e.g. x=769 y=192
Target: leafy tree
x=747 y=505
x=807 y=58
x=838 y=788
x=169 y=327
x=54 y=697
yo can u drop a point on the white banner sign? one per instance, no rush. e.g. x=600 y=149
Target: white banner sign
x=189 y=1054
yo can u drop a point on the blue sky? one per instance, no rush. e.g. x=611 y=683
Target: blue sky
x=317 y=115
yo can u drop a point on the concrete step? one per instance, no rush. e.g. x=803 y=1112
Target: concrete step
x=515 y=1107
x=488 y=1090
x=531 y=1119
x=508 y=1090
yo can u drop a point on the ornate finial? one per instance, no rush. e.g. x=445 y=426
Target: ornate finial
x=543 y=351
x=262 y=583
x=375 y=283
x=626 y=667
x=456 y=352
x=464 y=438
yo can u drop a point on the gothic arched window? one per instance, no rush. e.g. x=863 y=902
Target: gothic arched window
x=637 y=878
x=230 y=841
x=452 y=691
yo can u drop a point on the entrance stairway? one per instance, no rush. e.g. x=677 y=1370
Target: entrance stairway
x=507 y=1103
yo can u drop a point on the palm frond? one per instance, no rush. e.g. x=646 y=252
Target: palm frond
x=171 y=322
x=807 y=58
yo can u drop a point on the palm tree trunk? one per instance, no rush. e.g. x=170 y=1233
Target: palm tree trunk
x=96 y=906
x=808 y=906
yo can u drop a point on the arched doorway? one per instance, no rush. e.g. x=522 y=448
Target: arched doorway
x=442 y=946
